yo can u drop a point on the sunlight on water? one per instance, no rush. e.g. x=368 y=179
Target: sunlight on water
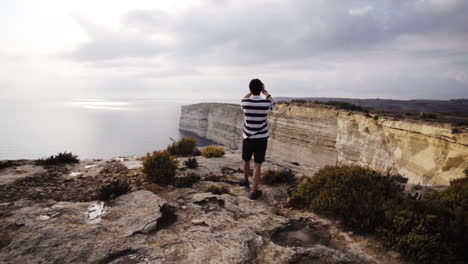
x=88 y=128
x=104 y=105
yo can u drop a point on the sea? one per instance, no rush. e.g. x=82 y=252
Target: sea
x=33 y=128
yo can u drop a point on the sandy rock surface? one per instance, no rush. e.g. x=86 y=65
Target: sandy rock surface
x=51 y=217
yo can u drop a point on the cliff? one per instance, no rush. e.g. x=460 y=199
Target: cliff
x=425 y=153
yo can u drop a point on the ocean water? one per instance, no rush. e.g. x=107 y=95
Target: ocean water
x=33 y=129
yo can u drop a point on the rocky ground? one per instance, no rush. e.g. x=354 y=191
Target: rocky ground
x=51 y=215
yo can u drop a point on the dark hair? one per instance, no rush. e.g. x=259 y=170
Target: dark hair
x=256 y=86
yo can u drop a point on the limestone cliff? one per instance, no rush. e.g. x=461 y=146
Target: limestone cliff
x=426 y=153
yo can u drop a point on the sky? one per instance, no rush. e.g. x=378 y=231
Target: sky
x=210 y=49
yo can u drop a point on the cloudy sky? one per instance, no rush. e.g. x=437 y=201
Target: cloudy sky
x=401 y=49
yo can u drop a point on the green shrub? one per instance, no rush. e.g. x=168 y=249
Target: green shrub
x=191 y=163
x=351 y=193
x=376 y=117
x=197 y=152
x=6 y=164
x=112 y=190
x=160 y=167
x=298 y=101
x=271 y=177
x=345 y=106
x=217 y=189
x=428 y=116
x=187 y=180
x=184 y=147
x=430 y=230
x=60 y=158
x=455 y=131
x=212 y=152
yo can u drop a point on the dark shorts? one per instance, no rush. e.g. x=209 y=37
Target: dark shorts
x=257 y=147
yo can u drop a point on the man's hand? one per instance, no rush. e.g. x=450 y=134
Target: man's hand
x=247 y=95
x=265 y=93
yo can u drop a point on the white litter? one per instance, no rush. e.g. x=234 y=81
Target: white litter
x=43 y=217
x=90 y=166
x=74 y=174
x=95 y=211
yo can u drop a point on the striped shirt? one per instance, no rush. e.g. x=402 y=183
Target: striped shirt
x=255 y=112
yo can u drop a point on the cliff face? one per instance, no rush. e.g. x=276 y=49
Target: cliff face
x=425 y=153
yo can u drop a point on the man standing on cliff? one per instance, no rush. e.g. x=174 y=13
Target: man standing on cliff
x=255 y=133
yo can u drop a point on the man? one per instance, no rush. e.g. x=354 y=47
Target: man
x=255 y=133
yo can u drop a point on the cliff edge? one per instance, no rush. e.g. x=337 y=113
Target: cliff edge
x=316 y=135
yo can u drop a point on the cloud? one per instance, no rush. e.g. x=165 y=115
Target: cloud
x=105 y=44
x=420 y=42
x=361 y=11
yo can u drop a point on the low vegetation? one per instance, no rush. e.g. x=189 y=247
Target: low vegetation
x=455 y=131
x=186 y=181
x=427 y=116
x=272 y=177
x=60 y=158
x=6 y=164
x=217 y=189
x=299 y=101
x=345 y=106
x=160 y=167
x=213 y=151
x=112 y=190
x=184 y=147
x=430 y=230
x=376 y=117
x=191 y=163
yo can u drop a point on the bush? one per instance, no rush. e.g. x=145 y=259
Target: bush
x=217 y=189
x=191 y=163
x=213 y=152
x=376 y=117
x=160 y=167
x=428 y=116
x=298 y=101
x=112 y=190
x=351 y=193
x=187 y=180
x=345 y=106
x=6 y=164
x=197 y=152
x=60 y=158
x=430 y=230
x=455 y=131
x=271 y=177
x=184 y=147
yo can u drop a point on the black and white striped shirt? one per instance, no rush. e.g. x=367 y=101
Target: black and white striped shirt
x=256 y=110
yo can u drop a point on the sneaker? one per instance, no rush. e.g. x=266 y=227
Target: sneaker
x=245 y=183
x=255 y=195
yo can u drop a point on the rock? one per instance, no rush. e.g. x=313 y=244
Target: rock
x=394 y=254
x=169 y=225
x=199 y=222
x=50 y=202
x=136 y=212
